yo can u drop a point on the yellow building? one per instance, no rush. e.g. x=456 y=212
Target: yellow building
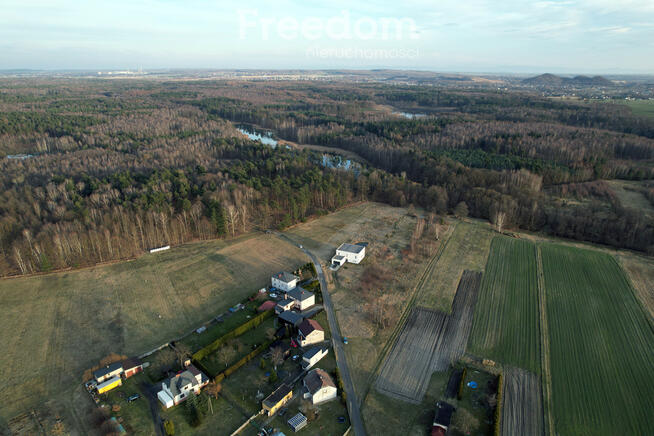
x=277 y=399
x=108 y=385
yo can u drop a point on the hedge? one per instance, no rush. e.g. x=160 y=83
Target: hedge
x=459 y=394
x=238 y=331
x=498 y=407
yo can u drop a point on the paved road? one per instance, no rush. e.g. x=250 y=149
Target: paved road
x=337 y=342
x=150 y=393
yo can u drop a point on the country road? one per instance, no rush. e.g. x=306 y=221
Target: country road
x=337 y=342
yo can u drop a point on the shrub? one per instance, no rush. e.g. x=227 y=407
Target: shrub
x=169 y=427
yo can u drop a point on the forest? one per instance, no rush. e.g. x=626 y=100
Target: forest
x=100 y=170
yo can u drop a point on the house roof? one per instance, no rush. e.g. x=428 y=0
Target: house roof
x=308 y=326
x=290 y=317
x=184 y=378
x=299 y=294
x=108 y=369
x=108 y=382
x=285 y=276
x=318 y=379
x=351 y=248
x=338 y=257
x=277 y=395
x=285 y=302
x=132 y=362
x=267 y=305
x=444 y=413
x=313 y=351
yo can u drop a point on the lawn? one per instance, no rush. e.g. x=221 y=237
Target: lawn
x=55 y=326
x=506 y=321
x=134 y=416
x=641 y=107
x=602 y=345
x=467 y=248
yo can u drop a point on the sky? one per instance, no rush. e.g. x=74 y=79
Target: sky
x=563 y=36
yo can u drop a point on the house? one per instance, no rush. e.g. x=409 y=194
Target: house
x=132 y=366
x=284 y=281
x=109 y=384
x=284 y=305
x=265 y=306
x=277 y=399
x=108 y=372
x=310 y=332
x=353 y=253
x=319 y=386
x=291 y=318
x=442 y=418
x=298 y=422
x=303 y=299
x=178 y=388
x=313 y=356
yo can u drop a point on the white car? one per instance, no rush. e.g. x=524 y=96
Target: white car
x=273 y=295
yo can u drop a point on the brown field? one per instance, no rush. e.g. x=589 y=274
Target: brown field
x=388 y=230
x=467 y=248
x=429 y=342
x=630 y=195
x=53 y=327
x=407 y=368
x=640 y=272
x=522 y=411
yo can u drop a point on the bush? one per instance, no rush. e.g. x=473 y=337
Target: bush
x=169 y=427
x=498 y=407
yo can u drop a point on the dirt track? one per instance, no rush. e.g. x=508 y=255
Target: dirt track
x=429 y=341
x=522 y=411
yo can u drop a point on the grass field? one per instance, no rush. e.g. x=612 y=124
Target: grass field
x=55 y=326
x=641 y=107
x=641 y=274
x=467 y=249
x=506 y=322
x=602 y=346
x=630 y=196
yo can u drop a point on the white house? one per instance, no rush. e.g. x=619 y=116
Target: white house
x=178 y=388
x=313 y=356
x=302 y=298
x=352 y=253
x=284 y=281
x=310 y=332
x=319 y=386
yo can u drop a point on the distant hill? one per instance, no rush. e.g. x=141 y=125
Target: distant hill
x=553 y=80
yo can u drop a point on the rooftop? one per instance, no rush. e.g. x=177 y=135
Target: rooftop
x=277 y=395
x=290 y=317
x=351 y=248
x=308 y=326
x=285 y=276
x=297 y=420
x=299 y=294
x=313 y=351
x=443 y=413
x=132 y=362
x=108 y=369
x=318 y=379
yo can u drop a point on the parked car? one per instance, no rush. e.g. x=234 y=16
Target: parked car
x=283 y=411
x=133 y=398
x=296 y=357
x=345 y=340
x=273 y=295
x=341 y=419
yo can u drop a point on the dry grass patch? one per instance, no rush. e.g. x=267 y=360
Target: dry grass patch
x=641 y=275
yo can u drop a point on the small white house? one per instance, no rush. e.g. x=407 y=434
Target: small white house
x=178 y=388
x=302 y=298
x=310 y=332
x=352 y=253
x=313 y=356
x=284 y=281
x=319 y=386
